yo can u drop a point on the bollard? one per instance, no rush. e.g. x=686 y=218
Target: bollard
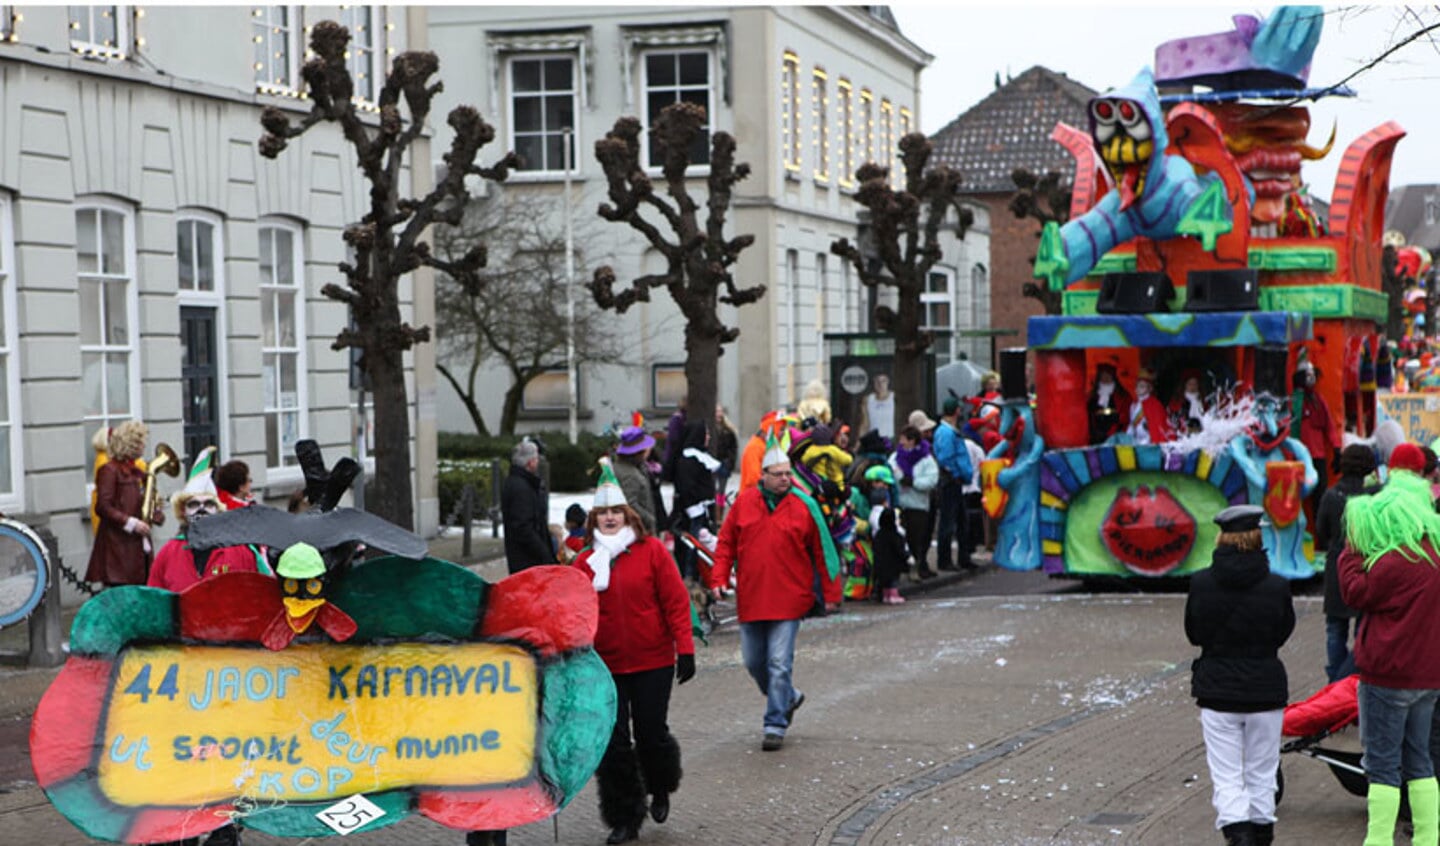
x=494 y=509
x=46 y=632
x=467 y=516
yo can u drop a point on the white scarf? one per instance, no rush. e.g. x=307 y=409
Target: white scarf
x=1197 y=407
x=1103 y=393
x=603 y=550
x=705 y=458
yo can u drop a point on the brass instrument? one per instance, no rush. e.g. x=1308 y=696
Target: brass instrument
x=165 y=461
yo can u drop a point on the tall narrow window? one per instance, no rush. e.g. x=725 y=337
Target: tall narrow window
x=867 y=127
x=199 y=259
x=543 y=98
x=276 y=36
x=104 y=252
x=282 y=341
x=195 y=254
x=11 y=453
x=904 y=124
x=100 y=30
x=365 y=56
x=678 y=76
x=887 y=137
x=790 y=111
x=820 y=116
x=846 y=94
x=935 y=304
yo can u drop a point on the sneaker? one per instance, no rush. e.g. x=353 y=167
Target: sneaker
x=794 y=706
x=772 y=742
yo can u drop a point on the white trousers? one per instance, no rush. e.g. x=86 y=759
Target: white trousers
x=1243 y=751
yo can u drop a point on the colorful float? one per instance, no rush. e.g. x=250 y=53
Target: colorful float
x=1192 y=251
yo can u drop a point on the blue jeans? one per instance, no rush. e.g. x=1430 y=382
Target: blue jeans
x=768 y=649
x=1395 y=730
x=951 y=519
x=1339 y=662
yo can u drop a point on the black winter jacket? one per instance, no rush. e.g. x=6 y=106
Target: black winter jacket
x=1330 y=537
x=1239 y=614
x=527 y=529
x=694 y=483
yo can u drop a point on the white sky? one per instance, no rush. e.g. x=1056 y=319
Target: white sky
x=1104 y=46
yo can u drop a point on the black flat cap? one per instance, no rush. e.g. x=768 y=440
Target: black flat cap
x=1241 y=518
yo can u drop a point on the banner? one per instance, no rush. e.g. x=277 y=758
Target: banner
x=1417 y=414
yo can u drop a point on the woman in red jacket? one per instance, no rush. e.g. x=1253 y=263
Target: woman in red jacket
x=644 y=638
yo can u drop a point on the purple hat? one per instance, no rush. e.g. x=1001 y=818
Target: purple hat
x=634 y=440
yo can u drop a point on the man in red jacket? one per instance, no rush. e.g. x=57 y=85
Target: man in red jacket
x=773 y=539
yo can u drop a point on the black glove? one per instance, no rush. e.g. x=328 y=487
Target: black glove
x=1335 y=463
x=684 y=668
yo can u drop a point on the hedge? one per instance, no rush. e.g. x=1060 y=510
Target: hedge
x=572 y=467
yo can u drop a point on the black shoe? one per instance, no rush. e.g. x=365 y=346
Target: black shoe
x=925 y=574
x=1239 y=834
x=769 y=744
x=660 y=807
x=623 y=834
x=1264 y=833
x=794 y=706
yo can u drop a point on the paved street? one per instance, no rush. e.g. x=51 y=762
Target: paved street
x=962 y=717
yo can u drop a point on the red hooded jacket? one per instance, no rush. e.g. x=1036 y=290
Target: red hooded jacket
x=1398 y=642
x=776 y=556
x=645 y=613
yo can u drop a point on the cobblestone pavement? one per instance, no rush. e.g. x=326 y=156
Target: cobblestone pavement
x=956 y=718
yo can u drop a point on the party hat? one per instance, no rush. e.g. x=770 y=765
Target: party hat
x=607 y=492
x=200 y=480
x=776 y=449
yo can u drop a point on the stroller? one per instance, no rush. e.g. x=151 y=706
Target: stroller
x=1333 y=708
x=703 y=614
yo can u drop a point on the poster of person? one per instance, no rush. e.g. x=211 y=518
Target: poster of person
x=863 y=395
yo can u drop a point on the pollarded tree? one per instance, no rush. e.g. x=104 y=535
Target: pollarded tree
x=698 y=256
x=386 y=243
x=1045 y=199
x=906 y=231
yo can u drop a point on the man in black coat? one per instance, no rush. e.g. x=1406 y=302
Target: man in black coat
x=1356 y=462
x=523 y=506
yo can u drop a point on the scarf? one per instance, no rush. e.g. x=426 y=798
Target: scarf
x=603 y=550
x=1196 y=406
x=709 y=461
x=1103 y=393
x=906 y=459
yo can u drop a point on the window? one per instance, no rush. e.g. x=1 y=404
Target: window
x=867 y=126
x=676 y=76
x=904 y=123
x=102 y=31
x=196 y=255
x=550 y=391
x=935 y=304
x=276 y=33
x=282 y=341
x=11 y=450
x=667 y=385
x=365 y=58
x=109 y=305
x=887 y=136
x=543 y=98
x=790 y=111
x=1432 y=209
x=820 y=116
x=846 y=95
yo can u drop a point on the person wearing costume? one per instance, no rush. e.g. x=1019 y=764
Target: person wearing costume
x=645 y=640
x=631 y=468
x=1187 y=408
x=1240 y=614
x=121 y=552
x=1390 y=573
x=890 y=554
x=1148 y=421
x=772 y=424
x=916 y=474
x=823 y=457
x=1312 y=424
x=1108 y=406
x=779 y=547
x=177 y=566
x=813 y=403
x=232 y=483
x=694 y=491
x=1357 y=461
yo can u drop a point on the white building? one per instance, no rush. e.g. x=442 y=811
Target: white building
x=810 y=93
x=153 y=265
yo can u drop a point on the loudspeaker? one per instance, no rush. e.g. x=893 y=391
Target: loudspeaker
x=1012 y=374
x=1134 y=293
x=1222 y=290
x=1272 y=370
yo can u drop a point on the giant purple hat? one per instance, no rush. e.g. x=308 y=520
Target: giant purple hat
x=1258 y=54
x=633 y=440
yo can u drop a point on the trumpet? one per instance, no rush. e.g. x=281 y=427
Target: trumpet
x=167 y=462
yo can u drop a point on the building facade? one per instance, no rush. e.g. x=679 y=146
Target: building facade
x=809 y=93
x=153 y=265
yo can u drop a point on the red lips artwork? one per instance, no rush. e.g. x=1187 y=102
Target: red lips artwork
x=1149 y=532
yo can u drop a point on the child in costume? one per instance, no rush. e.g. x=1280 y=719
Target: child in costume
x=177 y=566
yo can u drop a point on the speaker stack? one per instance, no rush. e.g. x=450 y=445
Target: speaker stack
x=1222 y=290
x=1134 y=293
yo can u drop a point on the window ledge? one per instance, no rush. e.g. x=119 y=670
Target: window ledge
x=540 y=176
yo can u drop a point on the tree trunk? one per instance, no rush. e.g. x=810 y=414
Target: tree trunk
x=702 y=373
x=909 y=375
x=510 y=409
x=391 y=499
x=468 y=399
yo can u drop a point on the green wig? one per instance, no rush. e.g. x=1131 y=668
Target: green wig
x=1398 y=518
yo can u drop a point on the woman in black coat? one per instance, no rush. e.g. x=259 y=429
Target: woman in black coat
x=1240 y=614
x=694 y=491
x=1356 y=462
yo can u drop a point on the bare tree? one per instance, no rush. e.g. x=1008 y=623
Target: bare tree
x=518 y=315
x=1044 y=199
x=908 y=247
x=698 y=256
x=386 y=242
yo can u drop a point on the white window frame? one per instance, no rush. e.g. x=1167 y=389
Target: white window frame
x=90 y=48
x=867 y=127
x=286 y=471
x=887 y=137
x=845 y=94
x=12 y=500
x=217 y=300
x=820 y=119
x=131 y=349
x=790 y=143
x=647 y=120
x=946 y=297
x=561 y=370
x=9 y=20
x=260 y=16
x=377 y=22
x=576 y=84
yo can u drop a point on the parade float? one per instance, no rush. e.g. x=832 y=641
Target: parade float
x=1192 y=249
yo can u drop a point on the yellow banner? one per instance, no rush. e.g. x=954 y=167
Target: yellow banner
x=1417 y=414
x=191 y=725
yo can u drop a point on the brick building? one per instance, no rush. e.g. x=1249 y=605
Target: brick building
x=1007 y=130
